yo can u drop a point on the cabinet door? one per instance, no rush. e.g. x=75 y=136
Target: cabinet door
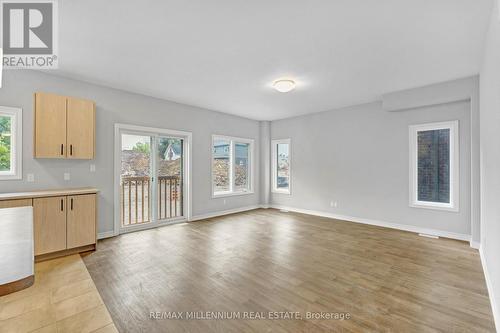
x=81 y=128
x=50 y=126
x=81 y=220
x=49 y=219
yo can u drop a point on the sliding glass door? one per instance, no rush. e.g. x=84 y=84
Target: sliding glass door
x=151 y=179
x=169 y=172
x=136 y=179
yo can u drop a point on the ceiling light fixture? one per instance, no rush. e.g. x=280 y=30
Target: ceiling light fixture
x=284 y=85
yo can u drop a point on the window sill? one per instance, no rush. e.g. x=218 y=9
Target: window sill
x=230 y=194
x=281 y=192
x=426 y=205
x=10 y=177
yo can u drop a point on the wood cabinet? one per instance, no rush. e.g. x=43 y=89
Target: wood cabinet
x=49 y=224
x=50 y=126
x=64 y=127
x=64 y=221
x=80 y=221
x=16 y=203
x=80 y=128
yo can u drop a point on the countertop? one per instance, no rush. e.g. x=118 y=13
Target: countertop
x=48 y=193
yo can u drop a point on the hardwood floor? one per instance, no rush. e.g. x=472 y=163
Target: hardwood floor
x=265 y=260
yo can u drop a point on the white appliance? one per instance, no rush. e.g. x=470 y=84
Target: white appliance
x=16 y=244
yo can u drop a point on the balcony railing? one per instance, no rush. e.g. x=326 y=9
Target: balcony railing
x=169 y=197
x=136 y=202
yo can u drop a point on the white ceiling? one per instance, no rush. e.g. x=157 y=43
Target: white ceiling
x=224 y=54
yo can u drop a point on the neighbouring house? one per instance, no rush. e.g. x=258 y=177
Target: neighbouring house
x=221 y=151
x=173 y=151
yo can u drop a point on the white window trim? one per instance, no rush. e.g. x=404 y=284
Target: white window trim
x=232 y=191
x=454 y=166
x=16 y=152
x=274 y=157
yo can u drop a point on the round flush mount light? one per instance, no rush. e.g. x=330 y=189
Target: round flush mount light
x=284 y=85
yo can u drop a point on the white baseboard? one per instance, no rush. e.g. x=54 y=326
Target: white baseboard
x=105 y=234
x=404 y=227
x=223 y=212
x=108 y=234
x=362 y=220
x=475 y=245
x=494 y=306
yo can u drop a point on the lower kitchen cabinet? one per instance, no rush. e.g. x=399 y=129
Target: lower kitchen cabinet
x=80 y=222
x=64 y=221
x=49 y=224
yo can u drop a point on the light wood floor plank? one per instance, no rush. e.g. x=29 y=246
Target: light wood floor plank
x=62 y=299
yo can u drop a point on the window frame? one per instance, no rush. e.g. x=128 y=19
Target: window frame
x=274 y=173
x=232 y=142
x=16 y=151
x=453 y=205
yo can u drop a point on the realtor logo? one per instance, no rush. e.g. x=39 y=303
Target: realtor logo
x=29 y=33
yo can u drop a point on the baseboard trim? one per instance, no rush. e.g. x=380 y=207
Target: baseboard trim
x=385 y=224
x=403 y=227
x=489 y=285
x=223 y=212
x=475 y=245
x=67 y=252
x=105 y=234
x=111 y=233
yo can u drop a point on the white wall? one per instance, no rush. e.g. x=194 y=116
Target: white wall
x=441 y=93
x=115 y=106
x=358 y=156
x=490 y=161
x=265 y=162
x=326 y=147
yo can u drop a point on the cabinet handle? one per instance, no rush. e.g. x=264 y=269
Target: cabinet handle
x=71 y=150
x=71 y=203
x=62 y=205
x=62 y=149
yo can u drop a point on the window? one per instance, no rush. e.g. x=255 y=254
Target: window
x=231 y=166
x=281 y=165
x=434 y=166
x=241 y=166
x=11 y=124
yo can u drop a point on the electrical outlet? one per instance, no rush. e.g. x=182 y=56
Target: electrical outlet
x=92 y=168
x=67 y=176
x=333 y=204
x=30 y=177
x=224 y=201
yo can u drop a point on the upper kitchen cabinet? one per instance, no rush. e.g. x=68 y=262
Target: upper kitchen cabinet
x=64 y=127
x=80 y=131
x=50 y=126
